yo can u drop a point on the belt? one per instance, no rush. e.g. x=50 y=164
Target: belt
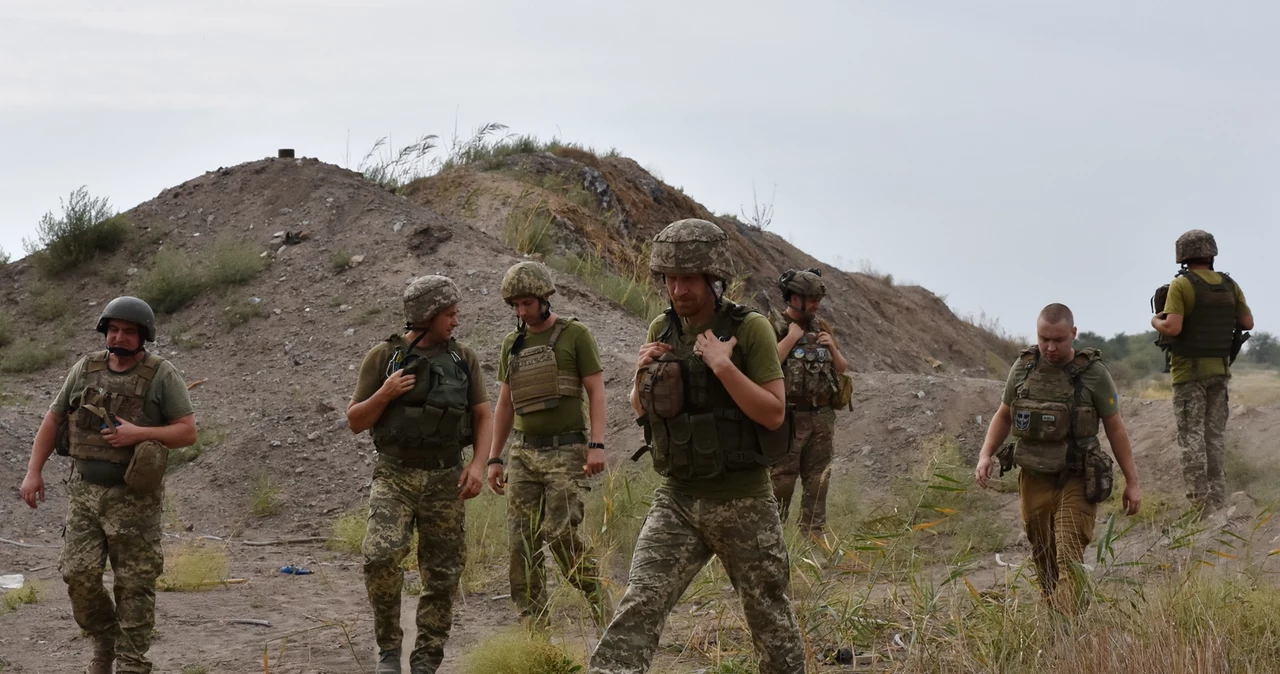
x=551 y=441
x=421 y=464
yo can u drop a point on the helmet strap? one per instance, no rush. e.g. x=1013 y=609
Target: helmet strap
x=121 y=352
x=546 y=307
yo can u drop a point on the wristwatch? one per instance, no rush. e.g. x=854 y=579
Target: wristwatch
x=595 y=445
x=495 y=461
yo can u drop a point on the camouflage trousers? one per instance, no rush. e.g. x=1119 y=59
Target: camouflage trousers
x=123 y=526
x=400 y=500
x=544 y=505
x=810 y=462
x=1059 y=524
x=1201 y=410
x=680 y=535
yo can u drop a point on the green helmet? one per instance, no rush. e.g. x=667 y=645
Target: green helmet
x=527 y=279
x=691 y=246
x=133 y=310
x=1194 y=245
x=426 y=296
x=803 y=282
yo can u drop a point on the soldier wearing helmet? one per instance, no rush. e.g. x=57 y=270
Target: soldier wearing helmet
x=544 y=366
x=123 y=409
x=1201 y=327
x=710 y=395
x=813 y=365
x=423 y=399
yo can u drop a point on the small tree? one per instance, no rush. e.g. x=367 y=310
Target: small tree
x=87 y=226
x=1263 y=349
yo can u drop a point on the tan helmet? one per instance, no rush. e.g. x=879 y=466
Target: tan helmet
x=691 y=246
x=527 y=279
x=803 y=282
x=1194 y=245
x=426 y=296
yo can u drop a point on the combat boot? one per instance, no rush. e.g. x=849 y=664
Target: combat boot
x=104 y=653
x=388 y=662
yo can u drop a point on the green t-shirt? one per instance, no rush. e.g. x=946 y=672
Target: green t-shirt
x=757 y=356
x=166 y=401
x=1182 y=301
x=576 y=352
x=373 y=371
x=1096 y=380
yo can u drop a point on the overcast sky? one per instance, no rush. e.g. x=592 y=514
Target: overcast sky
x=1004 y=154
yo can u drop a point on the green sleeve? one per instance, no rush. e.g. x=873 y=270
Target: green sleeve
x=586 y=353
x=1105 y=397
x=372 y=373
x=1011 y=382
x=655 y=328
x=173 y=401
x=504 y=356
x=1242 y=307
x=476 y=391
x=759 y=347
x=70 y=387
x=1177 y=303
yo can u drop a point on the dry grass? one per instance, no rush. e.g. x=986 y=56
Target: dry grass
x=1256 y=388
x=265 y=497
x=195 y=567
x=29 y=593
x=518 y=652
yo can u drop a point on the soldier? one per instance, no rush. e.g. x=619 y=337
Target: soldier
x=126 y=409
x=1053 y=401
x=1203 y=314
x=422 y=397
x=710 y=393
x=813 y=366
x=544 y=366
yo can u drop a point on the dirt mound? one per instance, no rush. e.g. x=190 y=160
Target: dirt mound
x=611 y=207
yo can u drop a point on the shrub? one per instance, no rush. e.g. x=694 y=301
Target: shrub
x=232 y=263
x=29 y=356
x=171 y=283
x=86 y=227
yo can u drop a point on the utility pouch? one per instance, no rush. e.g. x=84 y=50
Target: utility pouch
x=1099 y=475
x=661 y=388
x=146 y=469
x=1005 y=456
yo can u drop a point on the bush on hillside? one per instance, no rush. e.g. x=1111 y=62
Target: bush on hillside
x=171 y=282
x=86 y=227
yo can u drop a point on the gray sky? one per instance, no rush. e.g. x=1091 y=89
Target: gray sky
x=1004 y=154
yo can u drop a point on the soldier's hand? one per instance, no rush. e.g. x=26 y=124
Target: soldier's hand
x=715 y=353
x=651 y=352
x=33 y=489
x=471 y=482
x=825 y=339
x=795 y=331
x=397 y=385
x=595 y=461
x=983 y=471
x=124 y=434
x=496 y=478
x=1132 y=499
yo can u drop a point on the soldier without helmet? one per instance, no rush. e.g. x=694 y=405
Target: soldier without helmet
x=124 y=408
x=710 y=394
x=813 y=365
x=1053 y=401
x=1202 y=316
x=422 y=397
x=545 y=365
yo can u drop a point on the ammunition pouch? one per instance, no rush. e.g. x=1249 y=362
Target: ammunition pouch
x=710 y=444
x=661 y=388
x=145 y=473
x=844 y=398
x=1005 y=456
x=1099 y=474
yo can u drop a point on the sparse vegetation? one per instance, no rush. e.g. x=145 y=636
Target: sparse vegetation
x=47 y=303
x=866 y=268
x=86 y=227
x=518 y=652
x=4 y=257
x=171 y=283
x=194 y=567
x=232 y=263
x=265 y=495
x=6 y=329
x=29 y=356
x=208 y=436
x=340 y=260
x=392 y=169
x=761 y=215
x=29 y=593
x=530 y=229
x=636 y=294
x=195 y=669
x=240 y=312
x=348 y=531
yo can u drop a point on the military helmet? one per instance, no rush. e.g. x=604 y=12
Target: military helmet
x=527 y=279
x=130 y=309
x=426 y=296
x=804 y=282
x=691 y=246
x=1194 y=245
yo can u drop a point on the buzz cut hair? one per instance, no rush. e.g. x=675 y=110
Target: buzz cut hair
x=1057 y=313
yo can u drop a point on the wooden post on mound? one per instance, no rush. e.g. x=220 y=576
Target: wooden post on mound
x=286 y=153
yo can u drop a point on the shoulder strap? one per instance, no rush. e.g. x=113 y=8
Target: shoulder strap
x=561 y=324
x=96 y=362
x=672 y=328
x=146 y=371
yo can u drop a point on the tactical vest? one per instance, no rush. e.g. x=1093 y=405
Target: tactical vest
x=108 y=393
x=536 y=381
x=432 y=422
x=1054 y=421
x=1208 y=330
x=810 y=369
x=712 y=436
